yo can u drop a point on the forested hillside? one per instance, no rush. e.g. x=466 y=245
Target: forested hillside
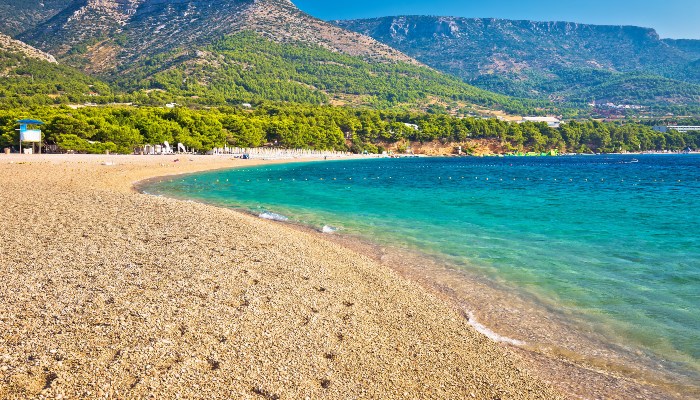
x=246 y=67
x=29 y=77
x=217 y=52
x=564 y=62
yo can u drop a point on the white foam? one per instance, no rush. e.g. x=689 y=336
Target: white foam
x=273 y=217
x=329 y=229
x=491 y=334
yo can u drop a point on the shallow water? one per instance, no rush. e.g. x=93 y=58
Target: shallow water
x=612 y=242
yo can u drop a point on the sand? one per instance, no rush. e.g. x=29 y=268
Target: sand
x=105 y=292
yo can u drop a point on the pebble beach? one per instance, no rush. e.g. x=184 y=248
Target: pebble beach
x=108 y=293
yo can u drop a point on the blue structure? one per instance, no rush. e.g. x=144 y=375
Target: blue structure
x=29 y=135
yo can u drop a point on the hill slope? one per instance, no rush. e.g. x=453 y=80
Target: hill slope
x=7 y=44
x=103 y=34
x=538 y=59
x=227 y=51
x=21 y=15
x=247 y=67
x=31 y=77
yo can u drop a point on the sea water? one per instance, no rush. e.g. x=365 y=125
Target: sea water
x=613 y=240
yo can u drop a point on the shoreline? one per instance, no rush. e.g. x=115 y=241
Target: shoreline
x=584 y=364
x=112 y=293
x=610 y=370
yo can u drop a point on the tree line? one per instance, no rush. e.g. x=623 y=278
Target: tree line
x=119 y=129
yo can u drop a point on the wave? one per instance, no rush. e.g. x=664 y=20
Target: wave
x=273 y=217
x=491 y=334
x=329 y=229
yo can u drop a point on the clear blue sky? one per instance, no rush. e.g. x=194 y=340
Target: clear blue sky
x=671 y=18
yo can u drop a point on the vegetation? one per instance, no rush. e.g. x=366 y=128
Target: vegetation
x=30 y=82
x=291 y=87
x=569 y=64
x=246 y=67
x=120 y=129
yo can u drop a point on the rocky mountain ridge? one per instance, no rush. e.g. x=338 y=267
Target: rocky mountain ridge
x=511 y=46
x=153 y=44
x=228 y=52
x=104 y=34
x=7 y=44
x=21 y=15
x=541 y=59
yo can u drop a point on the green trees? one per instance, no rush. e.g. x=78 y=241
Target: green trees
x=247 y=67
x=244 y=132
x=120 y=129
x=29 y=82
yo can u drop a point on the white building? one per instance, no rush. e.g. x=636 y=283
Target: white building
x=552 y=122
x=681 y=129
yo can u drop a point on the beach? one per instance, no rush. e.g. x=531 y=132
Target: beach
x=110 y=293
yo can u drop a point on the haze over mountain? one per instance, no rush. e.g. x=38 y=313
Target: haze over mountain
x=558 y=60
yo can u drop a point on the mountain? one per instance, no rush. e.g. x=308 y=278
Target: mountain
x=214 y=52
x=30 y=77
x=104 y=34
x=21 y=15
x=689 y=46
x=557 y=60
x=9 y=45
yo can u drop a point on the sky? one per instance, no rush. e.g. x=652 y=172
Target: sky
x=678 y=19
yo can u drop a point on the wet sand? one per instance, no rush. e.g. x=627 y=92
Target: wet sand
x=105 y=292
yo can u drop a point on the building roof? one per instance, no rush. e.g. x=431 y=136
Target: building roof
x=30 y=122
x=541 y=119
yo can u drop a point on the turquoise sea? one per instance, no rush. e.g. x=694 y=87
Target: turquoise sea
x=612 y=240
